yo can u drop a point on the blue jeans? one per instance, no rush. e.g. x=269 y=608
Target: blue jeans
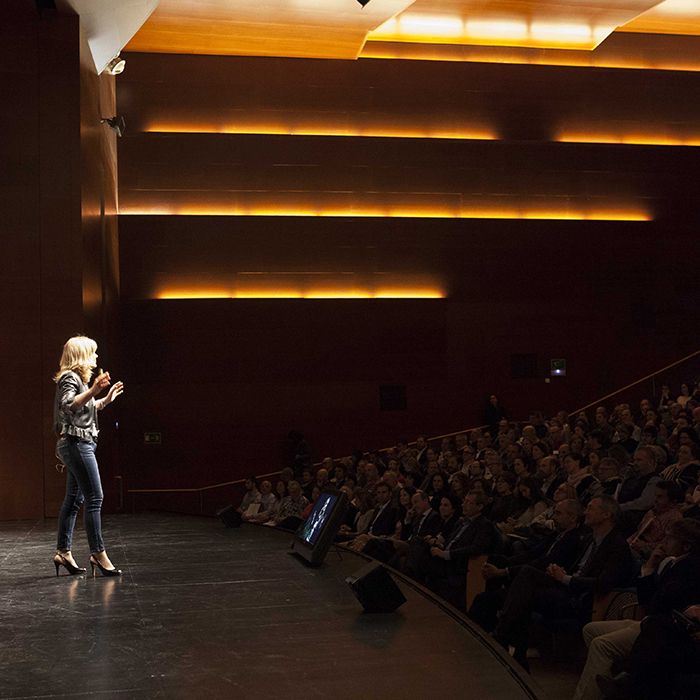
x=82 y=486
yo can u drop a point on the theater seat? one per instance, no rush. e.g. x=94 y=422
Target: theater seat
x=475 y=581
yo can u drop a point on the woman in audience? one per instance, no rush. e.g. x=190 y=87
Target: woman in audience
x=534 y=504
x=437 y=489
x=684 y=396
x=522 y=468
x=459 y=485
x=505 y=502
x=405 y=513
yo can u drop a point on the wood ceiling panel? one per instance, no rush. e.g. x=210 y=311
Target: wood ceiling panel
x=303 y=28
x=669 y=17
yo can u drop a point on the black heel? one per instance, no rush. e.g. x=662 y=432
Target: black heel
x=60 y=560
x=105 y=572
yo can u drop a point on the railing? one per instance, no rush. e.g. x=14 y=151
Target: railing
x=638 y=382
x=236 y=483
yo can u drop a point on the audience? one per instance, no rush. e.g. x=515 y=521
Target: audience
x=516 y=492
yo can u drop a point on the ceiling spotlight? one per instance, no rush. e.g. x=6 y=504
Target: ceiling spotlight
x=363 y=2
x=117 y=123
x=117 y=65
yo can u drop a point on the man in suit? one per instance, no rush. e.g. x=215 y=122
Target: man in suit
x=605 y=563
x=563 y=548
x=383 y=523
x=669 y=580
x=448 y=563
x=426 y=523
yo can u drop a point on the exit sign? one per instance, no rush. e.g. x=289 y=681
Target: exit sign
x=152 y=438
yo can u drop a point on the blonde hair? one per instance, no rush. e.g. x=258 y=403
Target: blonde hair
x=74 y=358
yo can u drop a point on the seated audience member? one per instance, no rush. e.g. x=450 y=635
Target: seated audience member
x=550 y=476
x=638 y=491
x=251 y=497
x=532 y=504
x=493 y=466
x=437 y=489
x=322 y=478
x=505 y=502
x=459 y=485
x=605 y=563
x=315 y=493
x=691 y=504
x=669 y=580
x=656 y=522
x=523 y=467
x=383 y=523
x=449 y=510
x=291 y=507
x=586 y=485
x=685 y=471
x=405 y=513
x=447 y=567
x=666 y=649
x=425 y=525
x=609 y=476
x=269 y=503
x=307 y=481
x=544 y=523
x=372 y=477
x=357 y=522
x=338 y=476
x=562 y=547
x=431 y=469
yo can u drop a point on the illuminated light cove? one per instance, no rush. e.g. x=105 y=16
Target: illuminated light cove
x=617 y=214
x=469 y=133
x=524 y=56
x=492 y=31
x=632 y=139
x=340 y=293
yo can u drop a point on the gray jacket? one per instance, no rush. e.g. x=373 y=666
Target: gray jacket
x=81 y=422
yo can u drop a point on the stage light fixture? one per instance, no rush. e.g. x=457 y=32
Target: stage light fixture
x=116 y=65
x=363 y=2
x=117 y=123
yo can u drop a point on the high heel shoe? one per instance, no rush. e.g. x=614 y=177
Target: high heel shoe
x=105 y=572
x=60 y=560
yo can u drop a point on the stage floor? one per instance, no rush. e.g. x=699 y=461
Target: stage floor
x=206 y=612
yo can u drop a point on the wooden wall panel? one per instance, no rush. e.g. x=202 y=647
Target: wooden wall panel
x=49 y=213
x=21 y=476
x=225 y=380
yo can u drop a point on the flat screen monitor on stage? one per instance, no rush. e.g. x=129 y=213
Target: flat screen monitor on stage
x=314 y=537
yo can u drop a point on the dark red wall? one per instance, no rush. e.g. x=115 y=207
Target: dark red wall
x=225 y=380
x=57 y=171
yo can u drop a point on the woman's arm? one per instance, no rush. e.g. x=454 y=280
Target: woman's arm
x=101 y=382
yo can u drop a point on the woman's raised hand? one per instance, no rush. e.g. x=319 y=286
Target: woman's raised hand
x=115 y=390
x=102 y=381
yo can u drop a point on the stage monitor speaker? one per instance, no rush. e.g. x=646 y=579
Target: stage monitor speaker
x=230 y=516
x=375 y=589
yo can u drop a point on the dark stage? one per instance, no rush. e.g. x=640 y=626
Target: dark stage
x=206 y=612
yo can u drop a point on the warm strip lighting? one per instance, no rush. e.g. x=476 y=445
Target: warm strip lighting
x=398 y=212
x=311 y=294
x=526 y=56
x=194 y=294
x=469 y=133
x=494 y=31
x=631 y=139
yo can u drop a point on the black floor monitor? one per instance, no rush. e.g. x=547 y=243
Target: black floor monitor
x=314 y=536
